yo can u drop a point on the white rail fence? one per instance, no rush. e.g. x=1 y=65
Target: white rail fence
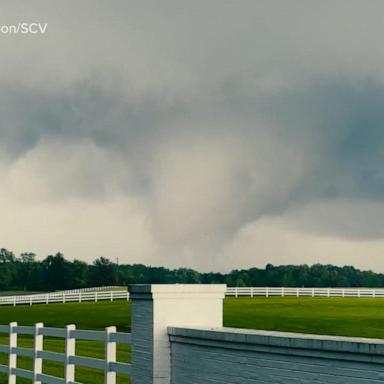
x=96 y=289
x=70 y=334
x=300 y=292
x=64 y=297
x=103 y=293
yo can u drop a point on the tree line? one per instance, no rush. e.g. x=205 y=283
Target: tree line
x=25 y=273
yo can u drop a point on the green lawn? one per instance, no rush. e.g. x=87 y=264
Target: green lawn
x=328 y=316
x=86 y=315
x=332 y=316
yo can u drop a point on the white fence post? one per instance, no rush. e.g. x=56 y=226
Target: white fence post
x=157 y=307
x=70 y=350
x=12 y=362
x=110 y=356
x=37 y=347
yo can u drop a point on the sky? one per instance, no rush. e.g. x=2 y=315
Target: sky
x=211 y=134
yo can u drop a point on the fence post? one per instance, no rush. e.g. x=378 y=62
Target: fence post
x=70 y=350
x=12 y=362
x=157 y=307
x=110 y=356
x=37 y=346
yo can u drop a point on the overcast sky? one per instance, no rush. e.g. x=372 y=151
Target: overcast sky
x=204 y=134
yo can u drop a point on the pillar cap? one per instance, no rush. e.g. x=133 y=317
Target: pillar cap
x=175 y=291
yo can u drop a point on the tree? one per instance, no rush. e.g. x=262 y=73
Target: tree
x=7 y=269
x=103 y=272
x=24 y=269
x=56 y=272
x=78 y=274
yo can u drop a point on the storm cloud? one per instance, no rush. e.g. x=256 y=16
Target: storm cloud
x=212 y=135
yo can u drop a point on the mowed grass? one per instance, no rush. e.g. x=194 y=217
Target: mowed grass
x=362 y=317
x=86 y=315
x=331 y=316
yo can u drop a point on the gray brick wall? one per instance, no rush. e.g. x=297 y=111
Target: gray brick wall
x=142 y=341
x=227 y=356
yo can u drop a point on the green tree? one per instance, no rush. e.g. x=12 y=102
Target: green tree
x=103 y=272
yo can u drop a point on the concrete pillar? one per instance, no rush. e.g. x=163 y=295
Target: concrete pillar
x=157 y=307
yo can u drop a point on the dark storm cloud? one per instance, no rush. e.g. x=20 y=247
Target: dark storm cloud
x=344 y=123
x=204 y=117
x=86 y=110
x=336 y=124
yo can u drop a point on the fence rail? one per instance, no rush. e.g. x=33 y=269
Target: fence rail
x=69 y=359
x=104 y=293
x=96 y=289
x=309 y=292
x=64 y=297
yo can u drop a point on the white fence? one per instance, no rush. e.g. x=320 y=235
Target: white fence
x=299 y=292
x=109 y=364
x=95 y=289
x=105 y=293
x=64 y=297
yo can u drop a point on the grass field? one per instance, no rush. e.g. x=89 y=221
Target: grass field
x=327 y=316
x=333 y=316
